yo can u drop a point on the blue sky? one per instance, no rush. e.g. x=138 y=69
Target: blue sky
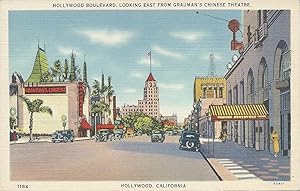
x=118 y=41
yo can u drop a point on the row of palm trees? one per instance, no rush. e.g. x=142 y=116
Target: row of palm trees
x=102 y=92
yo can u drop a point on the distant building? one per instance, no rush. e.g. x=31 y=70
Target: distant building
x=149 y=104
x=172 y=118
x=68 y=99
x=211 y=91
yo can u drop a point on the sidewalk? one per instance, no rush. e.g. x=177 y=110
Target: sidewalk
x=25 y=140
x=236 y=162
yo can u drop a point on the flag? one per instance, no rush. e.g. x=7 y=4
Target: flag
x=149 y=54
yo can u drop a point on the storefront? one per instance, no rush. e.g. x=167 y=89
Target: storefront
x=230 y=115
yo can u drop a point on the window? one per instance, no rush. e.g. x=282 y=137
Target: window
x=248 y=34
x=242 y=92
x=285 y=69
x=258 y=18
x=235 y=94
x=220 y=92
x=229 y=97
x=216 y=95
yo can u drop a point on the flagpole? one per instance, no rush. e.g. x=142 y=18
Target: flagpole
x=150 y=61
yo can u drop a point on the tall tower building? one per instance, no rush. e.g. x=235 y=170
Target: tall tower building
x=150 y=103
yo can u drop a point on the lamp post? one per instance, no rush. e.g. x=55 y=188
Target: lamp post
x=198 y=107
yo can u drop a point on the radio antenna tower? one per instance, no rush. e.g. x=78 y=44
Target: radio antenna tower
x=212 y=66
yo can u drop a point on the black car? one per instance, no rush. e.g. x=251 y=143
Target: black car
x=104 y=135
x=190 y=141
x=62 y=136
x=119 y=134
x=157 y=136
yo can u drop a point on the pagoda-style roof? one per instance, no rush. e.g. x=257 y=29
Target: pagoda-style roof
x=150 y=78
x=40 y=66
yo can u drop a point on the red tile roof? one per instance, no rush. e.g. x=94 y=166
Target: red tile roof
x=150 y=78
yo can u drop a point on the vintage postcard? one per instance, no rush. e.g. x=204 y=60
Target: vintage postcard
x=149 y=95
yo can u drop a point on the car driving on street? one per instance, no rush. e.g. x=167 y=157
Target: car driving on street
x=157 y=136
x=190 y=141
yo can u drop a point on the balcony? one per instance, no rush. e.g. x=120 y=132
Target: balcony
x=260 y=34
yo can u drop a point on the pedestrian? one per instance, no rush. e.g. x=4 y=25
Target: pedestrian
x=275 y=139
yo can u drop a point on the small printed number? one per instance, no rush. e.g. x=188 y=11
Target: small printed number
x=278 y=183
x=22 y=186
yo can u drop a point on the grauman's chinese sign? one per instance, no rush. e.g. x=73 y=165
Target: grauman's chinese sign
x=45 y=90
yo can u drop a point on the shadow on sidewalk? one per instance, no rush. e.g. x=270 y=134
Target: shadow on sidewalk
x=261 y=163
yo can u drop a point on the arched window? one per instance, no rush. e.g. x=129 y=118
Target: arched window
x=250 y=86
x=285 y=64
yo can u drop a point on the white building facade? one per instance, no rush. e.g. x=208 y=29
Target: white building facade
x=261 y=75
x=149 y=104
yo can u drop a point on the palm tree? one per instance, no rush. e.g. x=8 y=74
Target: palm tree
x=110 y=91
x=96 y=88
x=100 y=107
x=35 y=106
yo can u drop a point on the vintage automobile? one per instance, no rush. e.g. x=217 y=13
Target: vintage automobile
x=190 y=141
x=138 y=133
x=157 y=136
x=104 y=135
x=62 y=136
x=119 y=134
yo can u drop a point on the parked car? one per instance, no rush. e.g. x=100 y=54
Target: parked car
x=169 y=132
x=157 y=136
x=138 y=133
x=119 y=134
x=129 y=133
x=62 y=136
x=104 y=135
x=190 y=141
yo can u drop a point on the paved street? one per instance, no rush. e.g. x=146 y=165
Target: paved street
x=129 y=159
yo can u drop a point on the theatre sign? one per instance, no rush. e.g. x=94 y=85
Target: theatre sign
x=46 y=90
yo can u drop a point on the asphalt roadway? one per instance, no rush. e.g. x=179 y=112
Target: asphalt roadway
x=128 y=159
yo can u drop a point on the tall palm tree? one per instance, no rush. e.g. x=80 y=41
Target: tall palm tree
x=35 y=106
x=109 y=90
x=100 y=107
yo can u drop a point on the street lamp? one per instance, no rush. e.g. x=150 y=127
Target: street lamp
x=198 y=107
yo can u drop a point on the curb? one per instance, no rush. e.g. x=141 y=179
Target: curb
x=211 y=166
x=44 y=141
x=222 y=173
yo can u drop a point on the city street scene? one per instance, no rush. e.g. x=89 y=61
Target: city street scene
x=150 y=95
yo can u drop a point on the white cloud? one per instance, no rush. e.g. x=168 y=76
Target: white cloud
x=166 y=52
x=171 y=86
x=187 y=36
x=130 y=90
x=67 y=50
x=107 y=37
x=137 y=75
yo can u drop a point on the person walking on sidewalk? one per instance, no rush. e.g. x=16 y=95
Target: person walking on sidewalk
x=275 y=139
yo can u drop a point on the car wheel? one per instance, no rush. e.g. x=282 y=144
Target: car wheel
x=189 y=144
x=65 y=140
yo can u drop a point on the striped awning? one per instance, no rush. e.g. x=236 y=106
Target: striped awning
x=238 y=112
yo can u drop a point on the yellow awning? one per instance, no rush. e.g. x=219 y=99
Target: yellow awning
x=238 y=112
